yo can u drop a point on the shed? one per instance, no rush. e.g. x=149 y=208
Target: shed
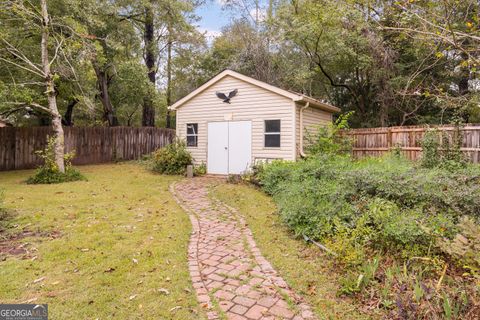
x=254 y=121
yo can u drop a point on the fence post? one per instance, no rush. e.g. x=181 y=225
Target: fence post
x=389 y=138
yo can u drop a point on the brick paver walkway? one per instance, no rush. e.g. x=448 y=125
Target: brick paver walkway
x=231 y=277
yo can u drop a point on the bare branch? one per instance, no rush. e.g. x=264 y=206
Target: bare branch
x=23 y=67
x=18 y=54
x=30 y=104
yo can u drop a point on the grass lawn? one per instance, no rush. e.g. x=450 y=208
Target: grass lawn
x=117 y=239
x=304 y=267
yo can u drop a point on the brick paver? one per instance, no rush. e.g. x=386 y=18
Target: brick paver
x=229 y=274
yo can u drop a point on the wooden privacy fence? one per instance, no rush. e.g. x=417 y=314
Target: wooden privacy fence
x=91 y=144
x=378 y=141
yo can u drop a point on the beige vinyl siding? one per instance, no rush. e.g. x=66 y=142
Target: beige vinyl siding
x=312 y=119
x=251 y=103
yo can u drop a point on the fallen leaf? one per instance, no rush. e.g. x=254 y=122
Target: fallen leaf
x=85 y=250
x=132 y=297
x=55 y=283
x=109 y=270
x=39 y=280
x=167 y=279
x=175 y=308
x=164 y=291
x=135 y=261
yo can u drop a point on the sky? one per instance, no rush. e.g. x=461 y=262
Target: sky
x=213 y=18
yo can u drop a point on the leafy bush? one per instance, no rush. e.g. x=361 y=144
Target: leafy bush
x=441 y=149
x=49 y=173
x=386 y=204
x=172 y=159
x=330 y=139
x=200 y=170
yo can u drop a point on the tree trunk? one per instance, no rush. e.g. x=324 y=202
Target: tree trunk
x=169 y=78
x=59 y=148
x=108 y=111
x=68 y=116
x=464 y=74
x=148 y=115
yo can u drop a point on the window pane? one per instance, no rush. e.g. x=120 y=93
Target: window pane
x=192 y=128
x=272 y=125
x=191 y=141
x=272 y=140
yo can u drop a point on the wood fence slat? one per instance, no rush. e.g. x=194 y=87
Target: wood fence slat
x=91 y=144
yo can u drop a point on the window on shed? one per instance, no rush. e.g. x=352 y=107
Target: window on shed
x=192 y=134
x=272 y=133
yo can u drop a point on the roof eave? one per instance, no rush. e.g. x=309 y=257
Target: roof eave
x=318 y=104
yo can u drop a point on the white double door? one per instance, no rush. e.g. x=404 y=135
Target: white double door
x=229 y=147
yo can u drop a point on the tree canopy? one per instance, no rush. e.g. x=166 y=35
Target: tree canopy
x=122 y=62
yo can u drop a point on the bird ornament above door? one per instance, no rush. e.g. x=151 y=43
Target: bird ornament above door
x=226 y=98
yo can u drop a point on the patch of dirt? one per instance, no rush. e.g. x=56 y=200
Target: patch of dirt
x=12 y=245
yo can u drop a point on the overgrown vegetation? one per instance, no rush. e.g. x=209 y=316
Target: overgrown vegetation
x=49 y=172
x=405 y=234
x=330 y=139
x=441 y=149
x=172 y=159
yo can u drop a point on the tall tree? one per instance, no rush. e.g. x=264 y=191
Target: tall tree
x=36 y=25
x=168 y=119
x=151 y=48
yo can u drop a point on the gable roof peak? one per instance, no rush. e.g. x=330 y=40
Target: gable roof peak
x=228 y=72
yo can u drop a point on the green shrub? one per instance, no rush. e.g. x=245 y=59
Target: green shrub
x=330 y=139
x=439 y=149
x=200 y=170
x=172 y=159
x=48 y=173
x=383 y=203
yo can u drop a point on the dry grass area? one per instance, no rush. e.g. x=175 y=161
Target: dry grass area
x=114 y=246
x=304 y=267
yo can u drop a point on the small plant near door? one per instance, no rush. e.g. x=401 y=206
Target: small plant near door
x=172 y=159
x=49 y=173
x=200 y=170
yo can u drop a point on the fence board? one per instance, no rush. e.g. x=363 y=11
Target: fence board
x=91 y=144
x=378 y=141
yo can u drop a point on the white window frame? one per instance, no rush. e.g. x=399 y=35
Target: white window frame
x=265 y=133
x=194 y=134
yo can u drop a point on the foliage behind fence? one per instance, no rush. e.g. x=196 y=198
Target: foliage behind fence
x=378 y=141
x=91 y=144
